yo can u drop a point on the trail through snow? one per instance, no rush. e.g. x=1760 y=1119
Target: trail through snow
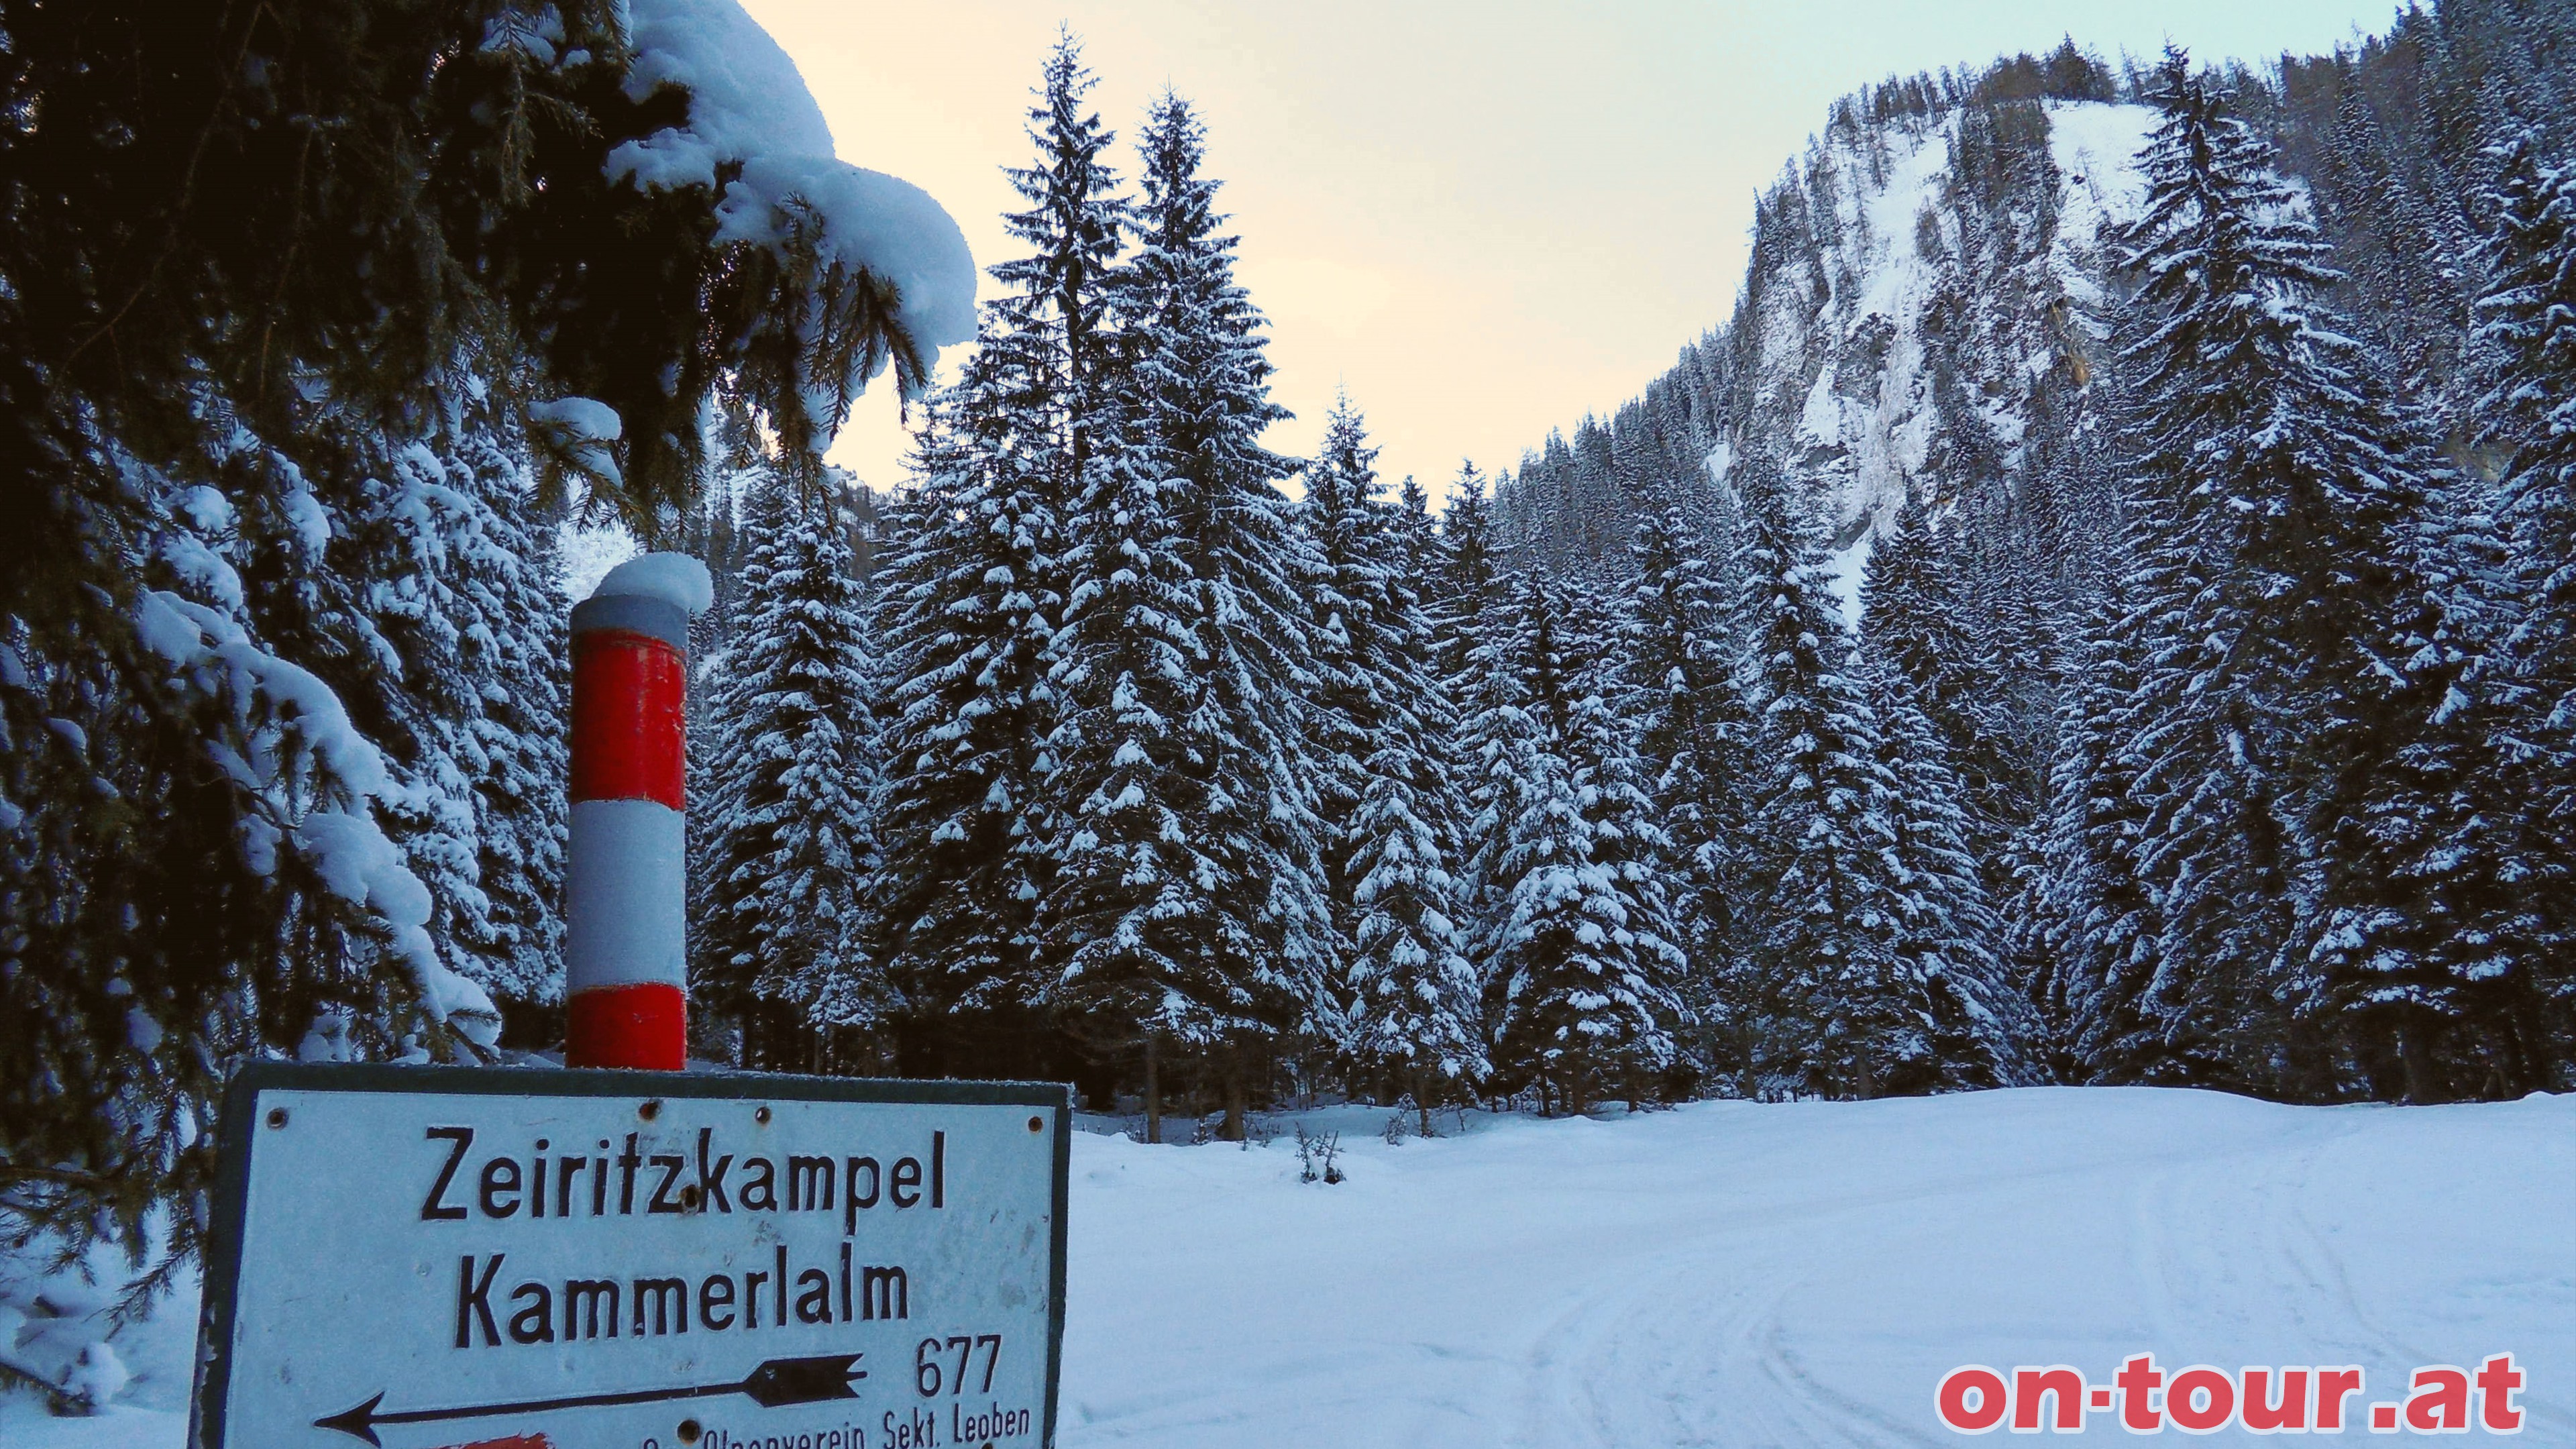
x=1741 y=1275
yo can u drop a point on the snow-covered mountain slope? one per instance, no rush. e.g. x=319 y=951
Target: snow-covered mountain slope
x=1948 y=272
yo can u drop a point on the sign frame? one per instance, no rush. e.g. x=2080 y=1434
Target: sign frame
x=237 y=1139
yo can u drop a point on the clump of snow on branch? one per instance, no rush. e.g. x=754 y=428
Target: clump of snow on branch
x=748 y=107
x=583 y=431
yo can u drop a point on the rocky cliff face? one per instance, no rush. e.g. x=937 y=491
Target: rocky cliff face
x=1951 y=274
x=1929 y=305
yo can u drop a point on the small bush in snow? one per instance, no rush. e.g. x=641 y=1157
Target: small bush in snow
x=1318 y=1157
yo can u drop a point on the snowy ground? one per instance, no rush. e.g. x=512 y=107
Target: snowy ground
x=1747 y=1275
x=1731 y=1274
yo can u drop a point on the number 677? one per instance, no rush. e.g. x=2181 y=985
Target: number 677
x=929 y=1359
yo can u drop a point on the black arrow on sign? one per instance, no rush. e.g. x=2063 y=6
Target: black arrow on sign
x=775 y=1384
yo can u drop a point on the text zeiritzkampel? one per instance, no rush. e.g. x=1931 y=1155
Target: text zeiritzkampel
x=495 y=1307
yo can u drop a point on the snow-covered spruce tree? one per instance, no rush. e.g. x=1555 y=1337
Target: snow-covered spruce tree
x=1984 y=1032
x=1418 y=553
x=1416 y=1011
x=2524 y=345
x=1578 y=949
x=1918 y=658
x=1487 y=693
x=2086 y=916
x=792 y=790
x=354 y=581
x=1129 y=914
x=1188 y=906
x=1465 y=587
x=2524 y=348
x=1055 y=324
x=974 y=588
x=1496 y=730
x=1349 y=600
x=2403 y=256
x=254 y=734
x=1383 y=723
x=2526 y=341
x=2016 y=570
x=1694 y=739
x=1205 y=389
x=2205 y=734
x=1516 y=695
x=2282 y=609
x=967 y=598
x=513 y=642
x=460 y=595
x=2440 y=954
x=1651 y=999
x=434 y=613
x=1847 y=1010
x=2075 y=914
x=1920 y=621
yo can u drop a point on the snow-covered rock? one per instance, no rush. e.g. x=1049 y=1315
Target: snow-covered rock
x=1902 y=282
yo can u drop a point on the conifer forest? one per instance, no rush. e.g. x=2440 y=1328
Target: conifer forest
x=2102 y=610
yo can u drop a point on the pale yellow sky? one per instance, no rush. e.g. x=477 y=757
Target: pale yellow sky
x=1483 y=219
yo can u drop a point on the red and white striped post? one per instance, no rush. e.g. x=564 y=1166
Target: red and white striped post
x=625 y=870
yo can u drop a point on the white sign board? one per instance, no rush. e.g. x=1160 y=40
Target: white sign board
x=428 y=1258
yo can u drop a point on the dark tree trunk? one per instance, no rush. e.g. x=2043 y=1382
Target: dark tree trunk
x=1153 y=1090
x=2423 y=1076
x=1232 y=1131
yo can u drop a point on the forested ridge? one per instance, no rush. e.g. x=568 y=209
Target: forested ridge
x=2097 y=613
x=2179 y=442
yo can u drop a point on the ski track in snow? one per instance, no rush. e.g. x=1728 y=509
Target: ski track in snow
x=1735 y=1275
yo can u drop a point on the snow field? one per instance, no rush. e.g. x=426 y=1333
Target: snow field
x=1742 y=1275
x=1746 y=1275
x=2096 y=150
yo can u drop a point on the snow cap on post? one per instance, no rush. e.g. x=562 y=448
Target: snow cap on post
x=653 y=593
x=625 y=887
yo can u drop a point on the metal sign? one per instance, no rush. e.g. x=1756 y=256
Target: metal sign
x=435 y=1258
